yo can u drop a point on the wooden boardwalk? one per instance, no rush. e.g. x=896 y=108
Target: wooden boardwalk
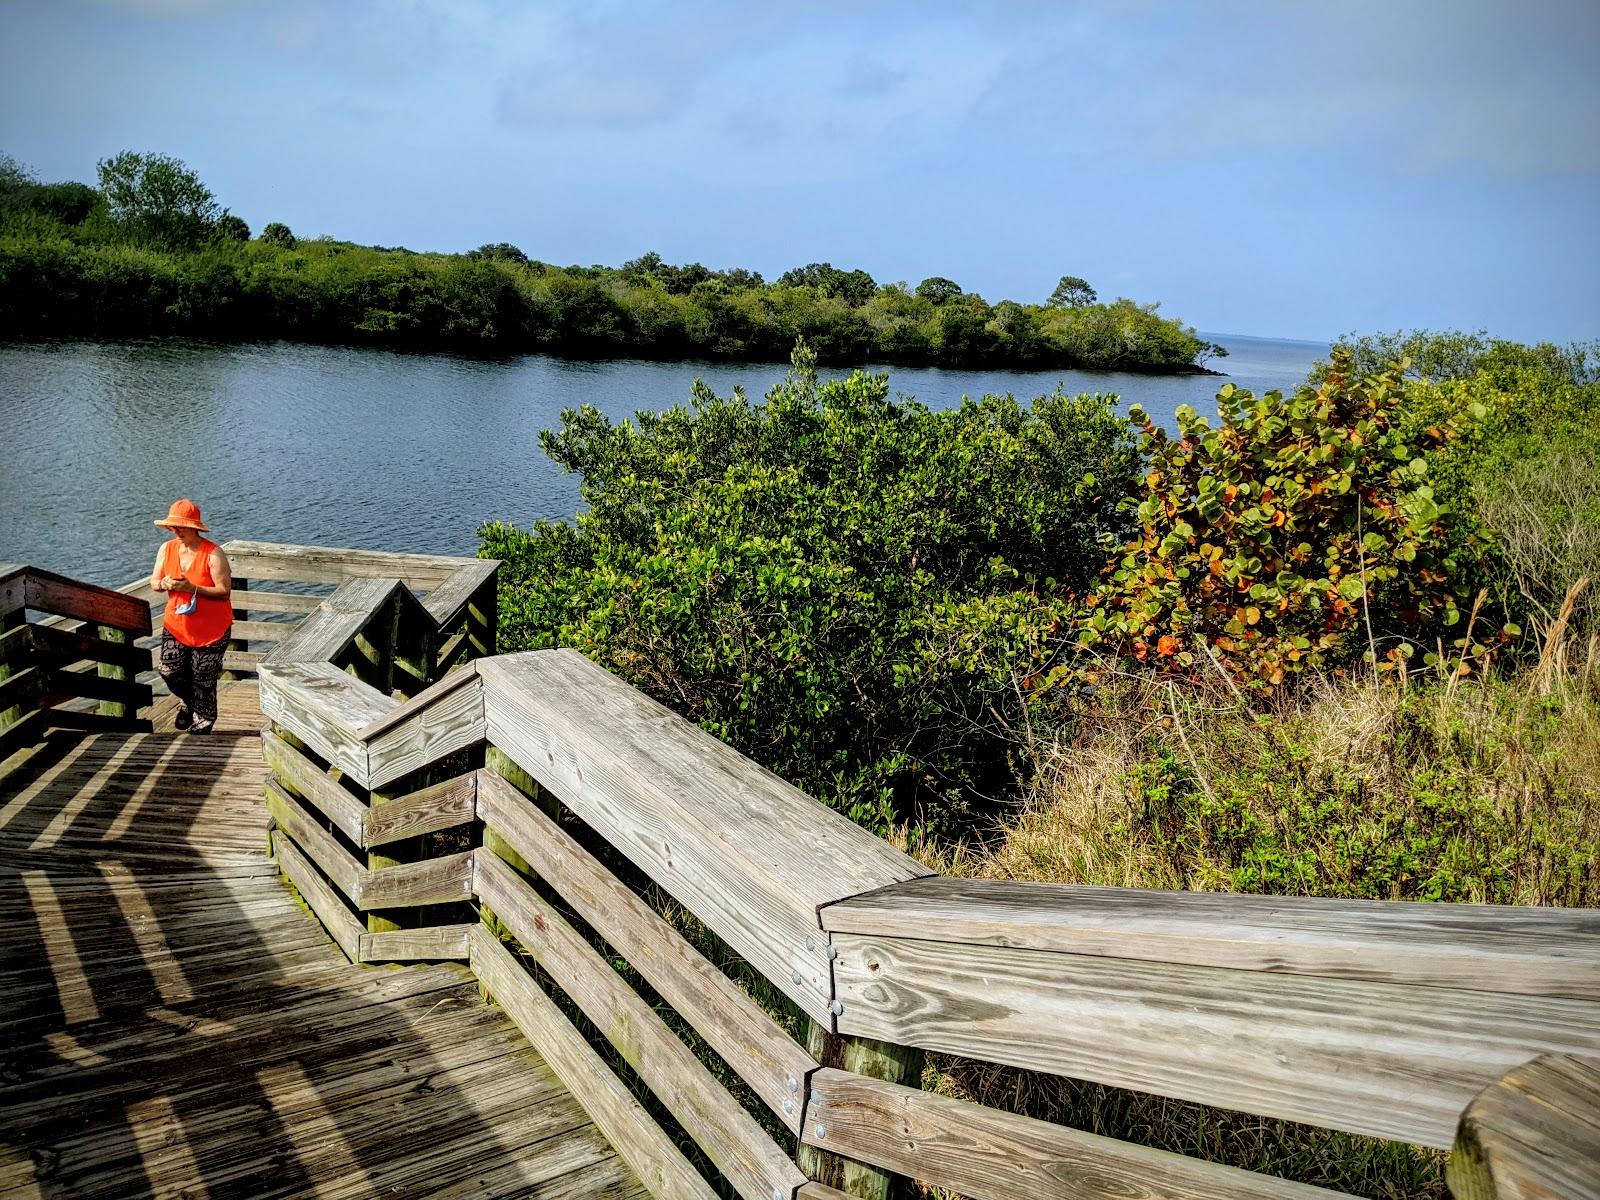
x=173 y=1024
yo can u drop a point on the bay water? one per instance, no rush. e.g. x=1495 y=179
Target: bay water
x=373 y=449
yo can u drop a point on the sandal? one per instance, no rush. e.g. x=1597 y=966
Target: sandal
x=202 y=727
x=183 y=718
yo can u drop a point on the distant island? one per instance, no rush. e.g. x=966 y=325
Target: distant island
x=150 y=252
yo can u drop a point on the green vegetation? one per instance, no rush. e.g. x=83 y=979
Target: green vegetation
x=1339 y=643
x=150 y=252
x=1297 y=534
x=839 y=585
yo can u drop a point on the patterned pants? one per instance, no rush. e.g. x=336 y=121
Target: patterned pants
x=191 y=673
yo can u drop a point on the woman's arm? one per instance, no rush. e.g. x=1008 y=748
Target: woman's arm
x=221 y=577
x=158 y=582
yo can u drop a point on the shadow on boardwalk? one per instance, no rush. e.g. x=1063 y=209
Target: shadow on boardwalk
x=174 y=1023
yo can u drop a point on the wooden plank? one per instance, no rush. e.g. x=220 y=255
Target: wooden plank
x=1391 y=1060
x=642 y=1143
x=737 y=1028
x=452 y=650
x=305 y=779
x=258 y=600
x=338 y=864
x=746 y=852
x=61 y=647
x=447 y=603
x=97 y=687
x=988 y=1154
x=821 y=1191
x=1533 y=1134
x=441 y=880
x=263 y=631
x=63 y=597
x=324 y=708
x=434 y=943
x=13 y=588
x=25 y=688
x=345 y=930
x=435 y=691
x=16 y=644
x=92 y=722
x=243 y=661
x=750 y=1160
x=437 y=721
x=328 y=631
x=324 y=564
x=1539 y=951
x=441 y=805
x=27 y=730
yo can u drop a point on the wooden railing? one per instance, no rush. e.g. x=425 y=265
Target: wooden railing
x=556 y=797
x=81 y=650
x=287 y=584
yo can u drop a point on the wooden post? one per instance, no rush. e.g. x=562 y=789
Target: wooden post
x=877 y=1060
x=483 y=618
x=395 y=853
x=239 y=644
x=414 y=657
x=9 y=621
x=114 y=708
x=498 y=761
x=1531 y=1133
x=390 y=647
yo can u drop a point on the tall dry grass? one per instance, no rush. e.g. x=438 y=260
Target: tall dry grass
x=1454 y=788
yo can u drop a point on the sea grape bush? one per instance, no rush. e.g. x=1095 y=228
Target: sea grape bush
x=844 y=586
x=1300 y=533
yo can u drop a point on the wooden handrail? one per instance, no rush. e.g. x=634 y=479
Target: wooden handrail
x=1377 y=1018
x=1366 y=1017
x=40 y=673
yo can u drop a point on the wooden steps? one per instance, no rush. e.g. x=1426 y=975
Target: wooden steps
x=173 y=1024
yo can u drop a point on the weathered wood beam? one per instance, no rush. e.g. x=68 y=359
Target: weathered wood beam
x=988 y=1154
x=1496 y=948
x=750 y=1160
x=642 y=1143
x=1390 y=1060
x=737 y=1028
x=749 y=854
x=1532 y=1134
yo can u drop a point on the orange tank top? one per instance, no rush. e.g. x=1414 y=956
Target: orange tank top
x=210 y=620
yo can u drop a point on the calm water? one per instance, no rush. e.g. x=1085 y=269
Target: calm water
x=372 y=449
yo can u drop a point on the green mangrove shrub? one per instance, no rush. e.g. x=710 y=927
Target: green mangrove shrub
x=844 y=586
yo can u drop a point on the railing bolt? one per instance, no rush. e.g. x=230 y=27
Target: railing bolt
x=822 y=1131
x=795 y=976
x=794 y=1084
x=838 y=1007
x=810 y=944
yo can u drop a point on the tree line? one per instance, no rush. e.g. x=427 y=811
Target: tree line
x=150 y=251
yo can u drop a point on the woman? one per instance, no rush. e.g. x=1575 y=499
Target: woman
x=194 y=573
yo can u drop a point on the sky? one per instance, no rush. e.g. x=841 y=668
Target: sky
x=1293 y=169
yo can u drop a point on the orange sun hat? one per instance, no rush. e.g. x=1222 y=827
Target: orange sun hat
x=185 y=513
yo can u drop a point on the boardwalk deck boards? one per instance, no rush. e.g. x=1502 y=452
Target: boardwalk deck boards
x=173 y=1023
